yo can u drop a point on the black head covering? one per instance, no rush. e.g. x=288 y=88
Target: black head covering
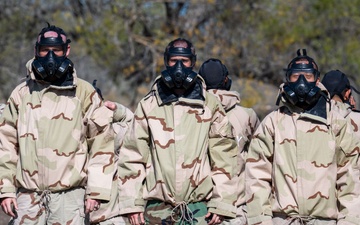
x=214 y=74
x=336 y=82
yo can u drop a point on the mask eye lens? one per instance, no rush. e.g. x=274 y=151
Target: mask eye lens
x=294 y=76
x=44 y=50
x=309 y=77
x=186 y=62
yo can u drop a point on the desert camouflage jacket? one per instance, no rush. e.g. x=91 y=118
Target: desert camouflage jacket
x=121 y=119
x=355 y=122
x=303 y=164
x=352 y=115
x=184 y=148
x=51 y=140
x=244 y=122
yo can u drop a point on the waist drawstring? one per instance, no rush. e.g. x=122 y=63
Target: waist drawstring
x=45 y=199
x=304 y=220
x=185 y=213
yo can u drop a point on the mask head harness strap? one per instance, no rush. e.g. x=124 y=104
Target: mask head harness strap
x=186 y=51
x=302 y=63
x=60 y=40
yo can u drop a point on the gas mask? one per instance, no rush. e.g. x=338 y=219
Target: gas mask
x=178 y=76
x=302 y=91
x=51 y=67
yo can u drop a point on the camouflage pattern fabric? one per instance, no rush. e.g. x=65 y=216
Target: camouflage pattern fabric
x=352 y=115
x=66 y=208
x=244 y=122
x=51 y=141
x=303 y=166
x=355 y=122
x=241 y=216
x=158 y=212
x=108 y=213
x=295 y=220
x=116 y=220
x=355 y=125
x=185 y=150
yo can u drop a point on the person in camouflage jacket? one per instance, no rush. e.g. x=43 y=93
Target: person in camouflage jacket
x=109 y=212
x=179 y=158
x=340 y=90
x=243 y=120
x=301 y=165
x=55 y=154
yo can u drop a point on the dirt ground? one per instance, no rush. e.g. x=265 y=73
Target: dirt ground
x=4 y=219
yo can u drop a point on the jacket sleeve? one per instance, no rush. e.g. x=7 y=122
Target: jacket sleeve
x=223 y=159
x=132 y=161
x=122 y=114
x=100 y=139
x=258 y=174
x=8 y=149
x=348 y=186
x=121 y=122
x=253 y=121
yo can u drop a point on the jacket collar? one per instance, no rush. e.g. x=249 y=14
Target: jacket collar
x=69 y=82
x=317 y=112
x=165 y=95
x=228 y=99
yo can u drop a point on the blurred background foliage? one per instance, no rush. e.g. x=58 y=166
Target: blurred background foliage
x=121 y=42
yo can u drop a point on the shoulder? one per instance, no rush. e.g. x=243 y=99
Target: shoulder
x=85 y=90
x=355 y=116
x=336 y=120
x=87 y=95
x=211 y=98
x=248 y=111
x=213 y=104
x=84 y=85
x=275 y=117
x=20 y=91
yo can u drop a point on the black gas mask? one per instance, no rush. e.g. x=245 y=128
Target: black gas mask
x=178 y=75
x=51 y=67
x=302 y=92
